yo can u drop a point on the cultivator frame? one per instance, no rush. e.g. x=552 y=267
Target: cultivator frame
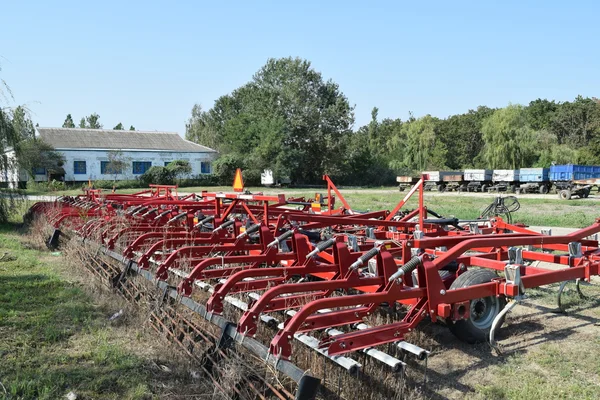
x=329 y=270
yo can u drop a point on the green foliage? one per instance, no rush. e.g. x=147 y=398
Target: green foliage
x=34 y=152
x=157 y=175
x=92 y=121
x=68 y=122
x=287 y=118
x=22 y=124
x=508 y=138
x=131 y=128
x=119 y=127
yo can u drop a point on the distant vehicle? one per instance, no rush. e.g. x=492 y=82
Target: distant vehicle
x=267 y=179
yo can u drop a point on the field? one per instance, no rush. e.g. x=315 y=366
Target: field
x=56 y=336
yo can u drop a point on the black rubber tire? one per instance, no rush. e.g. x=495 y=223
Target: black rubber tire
x=472 y=330
x=483 y=188
x=544 y=189
x=586 y=193
x=512 y=188
x=441 y=188
x=401 y=188
x=564 y=195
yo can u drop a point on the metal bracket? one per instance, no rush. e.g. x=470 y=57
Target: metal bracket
x=515 y=255
x=353 y=243
x=418 y=233
x=474 y=228
x=513 y=277
x=575 y=249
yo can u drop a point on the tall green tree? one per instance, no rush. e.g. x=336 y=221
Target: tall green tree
x=509 y=141
x=131 y=128
x=119 y=127
x=423 y=149
x=287 y=118
x=68 y=122
x=92 y=121
x=576 y=123
x=82 y=123
x=22 y=124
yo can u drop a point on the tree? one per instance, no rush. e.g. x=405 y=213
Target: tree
x=117 y=163
x=22 y=124
x=199 y=129
x=82 y=122
x=509 y=141
x=423 y=149
x=540 y=113
x=92 y=121
x=287 y=118
x=132 y=128
x=576 y=123
x=461 y=134
x=68 y=122
x=119 y=127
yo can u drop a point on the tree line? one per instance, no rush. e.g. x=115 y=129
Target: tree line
x=291 y=120
x=91 y=121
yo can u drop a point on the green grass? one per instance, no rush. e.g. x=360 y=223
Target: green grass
x=54 y=338
x=551 y=371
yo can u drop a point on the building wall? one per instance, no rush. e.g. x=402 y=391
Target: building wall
x=93 y=159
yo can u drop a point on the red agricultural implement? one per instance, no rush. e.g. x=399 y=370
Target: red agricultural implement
x=302 y=273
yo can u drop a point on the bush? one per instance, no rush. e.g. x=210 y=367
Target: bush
x=108 y=184
x=157 y=176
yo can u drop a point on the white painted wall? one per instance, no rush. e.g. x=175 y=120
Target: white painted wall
x=93 y=159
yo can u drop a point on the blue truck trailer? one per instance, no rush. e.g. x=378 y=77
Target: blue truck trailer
x=574 y=180
x=534 y=180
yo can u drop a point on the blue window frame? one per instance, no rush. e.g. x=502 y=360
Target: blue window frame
x=79 y=167
x=107 y=169
x=167 y=163
x=39 y=171
x=205 y=167
x=139 y=167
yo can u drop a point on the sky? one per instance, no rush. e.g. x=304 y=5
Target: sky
x=146 y=63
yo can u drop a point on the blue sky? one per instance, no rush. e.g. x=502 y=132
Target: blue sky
x=147 y=62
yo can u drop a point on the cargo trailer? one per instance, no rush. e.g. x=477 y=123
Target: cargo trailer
x=534 y=180
x=478 y=179
x=505 y=180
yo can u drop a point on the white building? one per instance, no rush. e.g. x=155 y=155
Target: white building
x=88 y=153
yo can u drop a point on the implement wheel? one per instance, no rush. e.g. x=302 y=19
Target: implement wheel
x=476 y=328
x=586 y=193
x=544 y=189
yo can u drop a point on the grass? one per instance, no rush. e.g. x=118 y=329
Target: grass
x=56 y=338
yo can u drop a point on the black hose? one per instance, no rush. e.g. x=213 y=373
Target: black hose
x=502 y=207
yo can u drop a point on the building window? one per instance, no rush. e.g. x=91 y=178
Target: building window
x=205 y=167
x=108 y=168
x=79 y=167
x=139 y=167
x=39 y=171
x=167 y=163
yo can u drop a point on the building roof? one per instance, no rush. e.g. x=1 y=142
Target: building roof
x=107 y=139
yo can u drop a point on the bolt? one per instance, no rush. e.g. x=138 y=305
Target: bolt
x=396 y=334
x=463 y=267
x=343 y=345
x=442 y=292
x=289 y=336
x=408 y=244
